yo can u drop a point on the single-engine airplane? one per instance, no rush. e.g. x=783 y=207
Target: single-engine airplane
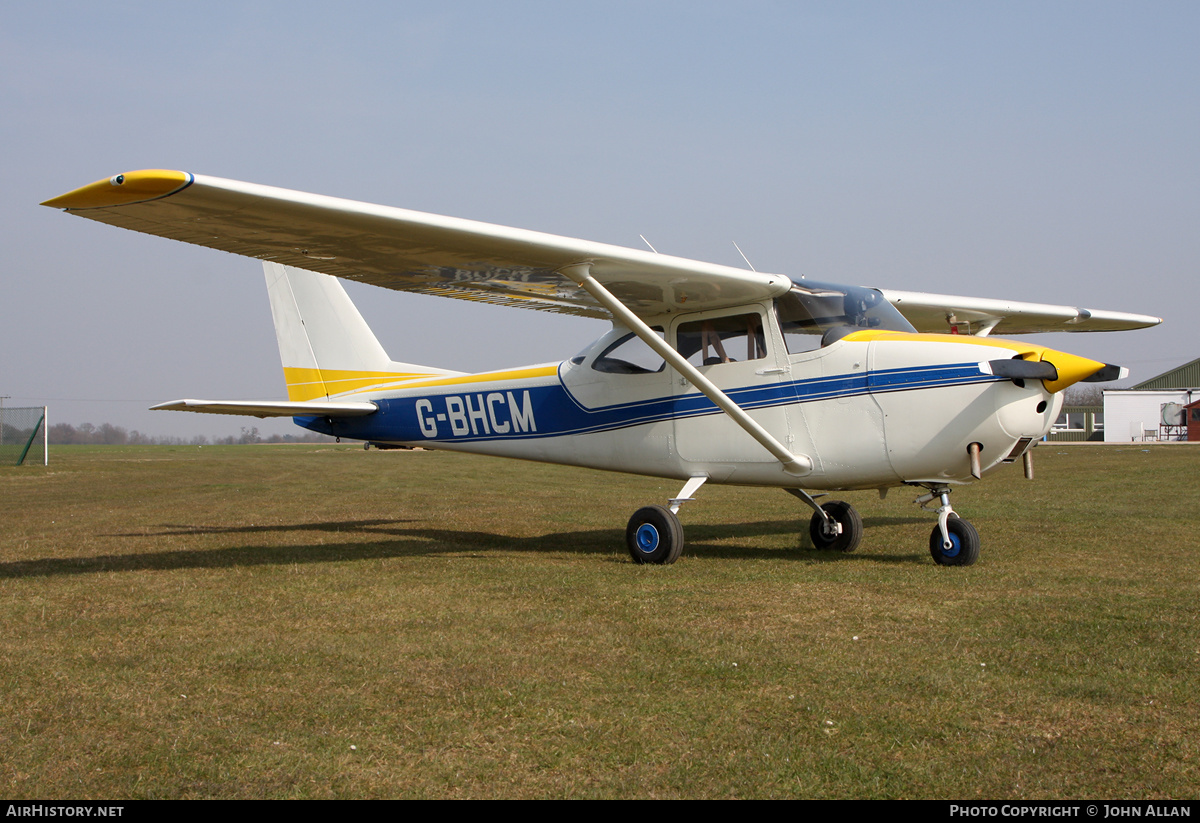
x=709 y=373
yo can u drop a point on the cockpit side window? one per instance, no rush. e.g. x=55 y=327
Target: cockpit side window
x=629 y=354
x=722 y=340
x=813 y=315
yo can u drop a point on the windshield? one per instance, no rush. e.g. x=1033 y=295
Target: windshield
x=814 y=314
x=629 y=354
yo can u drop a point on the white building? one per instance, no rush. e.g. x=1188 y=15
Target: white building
x=1137 y=414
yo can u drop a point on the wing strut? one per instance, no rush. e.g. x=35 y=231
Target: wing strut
x=797 y=465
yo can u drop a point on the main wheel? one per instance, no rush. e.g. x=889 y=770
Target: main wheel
x=844 y=515
x=964 y=543
x=654 y=535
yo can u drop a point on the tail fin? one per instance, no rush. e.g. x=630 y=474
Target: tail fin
x=327 y=349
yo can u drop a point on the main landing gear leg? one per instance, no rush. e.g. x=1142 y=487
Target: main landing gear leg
x=834 y=525
x=954 y=541
x=654 y=534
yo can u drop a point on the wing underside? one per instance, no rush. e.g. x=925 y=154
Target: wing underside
x=407 y=250
x=451 y=257
x=984 y=316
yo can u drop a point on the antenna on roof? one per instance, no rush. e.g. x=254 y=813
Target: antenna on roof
x=743 y=254
x=647 y=242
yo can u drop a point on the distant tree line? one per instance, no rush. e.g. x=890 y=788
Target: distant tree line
x=106 y=434
x=1085 y=394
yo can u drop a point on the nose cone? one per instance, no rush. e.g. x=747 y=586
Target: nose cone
x=1071 y=368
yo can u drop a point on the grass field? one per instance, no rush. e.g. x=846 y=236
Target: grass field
x=302 y=621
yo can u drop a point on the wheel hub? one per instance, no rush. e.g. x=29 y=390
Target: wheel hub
x=647 y=538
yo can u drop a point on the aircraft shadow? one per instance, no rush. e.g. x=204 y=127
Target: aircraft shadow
x=395 y=539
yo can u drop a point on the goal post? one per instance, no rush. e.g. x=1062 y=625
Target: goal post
x=23 y=430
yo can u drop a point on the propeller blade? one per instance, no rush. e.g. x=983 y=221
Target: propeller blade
x=1109 y=372
x=1023 y=369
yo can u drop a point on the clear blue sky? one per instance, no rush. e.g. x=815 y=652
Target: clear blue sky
x=1035 y=151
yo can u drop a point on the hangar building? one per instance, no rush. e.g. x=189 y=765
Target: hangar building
x=1160 y=408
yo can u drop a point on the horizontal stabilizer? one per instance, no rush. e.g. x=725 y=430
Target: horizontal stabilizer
x=269 y=408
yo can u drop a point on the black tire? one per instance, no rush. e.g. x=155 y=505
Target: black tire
x=654 y=535
x=965 y=550
x=845 y=515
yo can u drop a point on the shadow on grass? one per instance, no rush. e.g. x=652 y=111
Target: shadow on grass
x=334 y=526
x=712 y=541
x=397 y=540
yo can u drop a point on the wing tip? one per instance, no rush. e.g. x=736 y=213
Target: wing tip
x=123 y=190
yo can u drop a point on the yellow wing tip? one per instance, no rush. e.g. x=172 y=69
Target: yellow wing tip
x=123 y=190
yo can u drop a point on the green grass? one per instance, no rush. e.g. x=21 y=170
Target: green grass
x=310 y=621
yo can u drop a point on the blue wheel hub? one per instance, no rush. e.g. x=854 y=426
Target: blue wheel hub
x=647 y=538
x=955 y=545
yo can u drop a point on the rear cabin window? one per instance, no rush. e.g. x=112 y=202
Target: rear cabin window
x=722 y=340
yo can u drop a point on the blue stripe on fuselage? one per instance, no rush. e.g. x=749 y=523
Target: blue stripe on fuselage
x=551 y=411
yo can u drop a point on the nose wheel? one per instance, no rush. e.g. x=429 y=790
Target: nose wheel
x=954 y=541
x=963 y=539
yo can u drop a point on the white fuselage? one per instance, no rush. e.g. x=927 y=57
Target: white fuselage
x=871 y=410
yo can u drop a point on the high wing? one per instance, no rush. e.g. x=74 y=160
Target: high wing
x=451 y=257
x=408 y=250
x=983 y=316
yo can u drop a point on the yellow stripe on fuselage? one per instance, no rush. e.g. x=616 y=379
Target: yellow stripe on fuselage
x=867 y=335
x=1071 y=367
x=487 y=377
x=313 y=384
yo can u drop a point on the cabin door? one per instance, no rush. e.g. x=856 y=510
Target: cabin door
x=742 y=354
